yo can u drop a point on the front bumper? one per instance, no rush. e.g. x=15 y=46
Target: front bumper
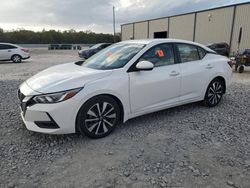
x=56 y=118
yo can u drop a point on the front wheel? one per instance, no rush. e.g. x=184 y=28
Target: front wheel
x=98 y=117
x=214 y=93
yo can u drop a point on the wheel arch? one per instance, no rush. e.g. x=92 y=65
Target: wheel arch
x=104 y=94
x=219 y=77
x=223 y=80
x=17 y=55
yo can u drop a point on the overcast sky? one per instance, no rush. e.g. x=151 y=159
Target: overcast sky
x=95 y=15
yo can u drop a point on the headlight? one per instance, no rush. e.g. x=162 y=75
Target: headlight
x=56 y=97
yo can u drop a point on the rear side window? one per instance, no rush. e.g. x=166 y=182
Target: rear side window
x=6 y=46
x=188 y=53
x=201 y=52
x=160 y=55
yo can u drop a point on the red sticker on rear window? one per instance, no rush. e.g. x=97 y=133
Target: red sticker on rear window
x=160 y=53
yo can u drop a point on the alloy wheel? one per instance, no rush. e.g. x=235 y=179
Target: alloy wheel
x=100 y=118
x=215 y=93
x=16 y=59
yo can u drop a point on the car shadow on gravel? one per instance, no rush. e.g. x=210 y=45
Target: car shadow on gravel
x=10 y=62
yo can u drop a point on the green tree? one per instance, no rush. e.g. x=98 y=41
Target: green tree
x=71 y=36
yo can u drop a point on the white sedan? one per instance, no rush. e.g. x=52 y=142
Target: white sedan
x=13 y=52
x=125 y=80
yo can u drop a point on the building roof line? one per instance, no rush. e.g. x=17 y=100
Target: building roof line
x=198 y=11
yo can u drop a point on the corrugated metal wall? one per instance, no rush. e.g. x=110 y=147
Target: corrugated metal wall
x=242 y=19
x=157 y=26
x=141 y=30
x=127 y=31
x=214 y=26
x=182 y=27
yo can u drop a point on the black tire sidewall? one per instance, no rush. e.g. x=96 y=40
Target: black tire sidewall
x=206 y=100
x=241 y=69
x=83 y=112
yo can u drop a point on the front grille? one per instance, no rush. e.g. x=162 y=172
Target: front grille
x=20 y=95
x=23 y=101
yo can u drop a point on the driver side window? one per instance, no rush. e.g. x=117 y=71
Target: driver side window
x=159 y=55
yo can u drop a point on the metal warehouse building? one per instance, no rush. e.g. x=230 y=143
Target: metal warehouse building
x=222 y=24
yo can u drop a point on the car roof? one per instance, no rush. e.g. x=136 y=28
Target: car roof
x=9 y=44
x=170 y=40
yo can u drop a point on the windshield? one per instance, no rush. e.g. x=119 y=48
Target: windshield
x=96 y=46
x=115 y=56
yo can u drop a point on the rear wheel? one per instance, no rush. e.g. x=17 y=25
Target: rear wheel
x=241 y=69
x=16 y=58
x=98 y=117
x=214 y=93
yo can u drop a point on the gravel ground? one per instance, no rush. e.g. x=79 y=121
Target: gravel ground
x=188 y=146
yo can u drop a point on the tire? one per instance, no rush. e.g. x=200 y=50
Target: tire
x=214 y=93
x=241 y=69
x=98 y=117
x=16 y=59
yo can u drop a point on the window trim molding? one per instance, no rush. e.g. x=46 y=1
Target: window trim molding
x=196 y=46
x=133 y=68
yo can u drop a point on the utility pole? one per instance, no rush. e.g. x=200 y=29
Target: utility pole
x=114 y=21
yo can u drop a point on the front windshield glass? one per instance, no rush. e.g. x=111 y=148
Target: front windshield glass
x=95 y=46
x=113 y=57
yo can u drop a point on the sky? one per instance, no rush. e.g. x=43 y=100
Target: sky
x=94 y=15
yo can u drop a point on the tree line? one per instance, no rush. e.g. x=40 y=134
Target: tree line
x=55 y=37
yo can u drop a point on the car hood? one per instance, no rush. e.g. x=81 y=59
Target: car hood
x=64 y=77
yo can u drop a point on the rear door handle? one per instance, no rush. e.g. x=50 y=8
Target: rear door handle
x=174 y=73
x=9 y=50
x=209 y=66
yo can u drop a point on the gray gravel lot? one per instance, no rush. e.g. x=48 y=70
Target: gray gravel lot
x=187 y=146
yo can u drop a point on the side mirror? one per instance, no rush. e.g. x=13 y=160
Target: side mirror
x=144 y=66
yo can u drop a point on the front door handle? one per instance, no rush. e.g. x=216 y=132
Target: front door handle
x=174 y=73
x=9 y=50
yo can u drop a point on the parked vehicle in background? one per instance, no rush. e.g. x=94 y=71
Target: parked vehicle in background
x=123 y=81
x=87 y=53
x=13 y=52
x=241 y=60
x=64 y=47
x=54 y=47
x=221 y=48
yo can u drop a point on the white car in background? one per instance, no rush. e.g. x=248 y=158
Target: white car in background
x=125 y=80
x=13 y=52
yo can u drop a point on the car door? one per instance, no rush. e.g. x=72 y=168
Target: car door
x=195 y=71
x=3 y=52
x=6 y=51
x=158 y=88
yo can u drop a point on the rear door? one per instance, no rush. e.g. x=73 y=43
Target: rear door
x=6 y=51
x=3 y=52
x=195 y=71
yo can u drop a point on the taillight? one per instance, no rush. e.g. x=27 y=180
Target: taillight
x=230 y=63
x=25 y=50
